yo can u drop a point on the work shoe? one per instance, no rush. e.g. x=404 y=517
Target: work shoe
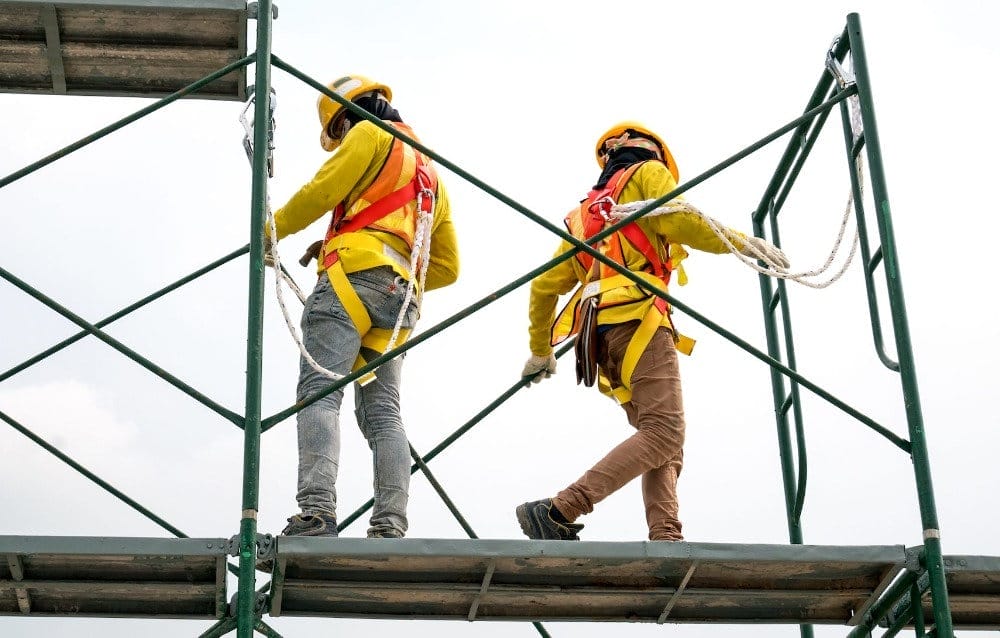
x=385 y=533
x=538 y=522
x=311 y=525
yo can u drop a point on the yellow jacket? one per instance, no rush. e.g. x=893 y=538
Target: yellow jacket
x=343 y=178
x=651 y=181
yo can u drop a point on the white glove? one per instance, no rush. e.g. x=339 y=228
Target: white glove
x=767 y=252
x=536 y=364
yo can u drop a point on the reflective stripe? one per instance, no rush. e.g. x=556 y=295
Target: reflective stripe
x=365 y=241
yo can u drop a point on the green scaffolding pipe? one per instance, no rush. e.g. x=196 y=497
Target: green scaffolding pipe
x=792 y=487
x=122 y=348
x=122 y=313
x=125 y=121
x=904 y=348
x=789 y=167
x=221 y=628
x=266 y=630
x=822 y=86
x=247 y=615
x=454 y=436
x=818 y=391
x=795 y=495
x=878 y=611
x=869 y=266
x=450 y=504
x=90 y=475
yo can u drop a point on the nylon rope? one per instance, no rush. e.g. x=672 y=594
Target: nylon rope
x=844 y=77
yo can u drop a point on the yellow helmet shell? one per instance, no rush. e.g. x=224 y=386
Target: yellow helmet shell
x=347 y=87
x=618 y=129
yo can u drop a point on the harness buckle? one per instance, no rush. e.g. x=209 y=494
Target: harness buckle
x=603 y=207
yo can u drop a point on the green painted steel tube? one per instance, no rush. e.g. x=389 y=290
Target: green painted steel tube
x=917 y=608
x=122 y=313
x=869 y=263
x=804 y=122
x=788 y=474
x=125 y=121
x=122 y=348
x=220 y=628
x=793 y=390
x=794 y=480
x=266 y=630
x=108 y=487
x=450 y=504
x=893 y=593
x=246 y=614
x=904 y=347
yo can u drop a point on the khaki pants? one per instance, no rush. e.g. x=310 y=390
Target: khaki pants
x=655 y=452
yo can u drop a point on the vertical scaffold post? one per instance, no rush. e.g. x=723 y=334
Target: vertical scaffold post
x=246 y=594
x=904 y=348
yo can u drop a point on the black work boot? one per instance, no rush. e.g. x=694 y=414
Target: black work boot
x=538 y=521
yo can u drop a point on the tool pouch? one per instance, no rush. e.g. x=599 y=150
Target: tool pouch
x=586 y=343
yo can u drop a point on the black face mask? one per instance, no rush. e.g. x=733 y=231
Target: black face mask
x=622 y=158
x=377 y=107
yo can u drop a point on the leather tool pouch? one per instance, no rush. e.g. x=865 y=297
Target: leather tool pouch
x=586 y=343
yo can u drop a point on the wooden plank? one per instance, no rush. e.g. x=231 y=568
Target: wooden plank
x=161 y=26
x=443 y=601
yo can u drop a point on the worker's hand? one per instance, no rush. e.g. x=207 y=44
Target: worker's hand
x=539 y=367
x=760 y=249
x=311 y=253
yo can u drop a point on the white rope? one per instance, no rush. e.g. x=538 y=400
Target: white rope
x=621 y=211
x=419 y=257
x=280 y=276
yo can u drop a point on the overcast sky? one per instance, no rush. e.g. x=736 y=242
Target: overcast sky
x=515 y=93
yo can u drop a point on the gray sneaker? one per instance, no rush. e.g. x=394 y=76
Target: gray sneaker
x=537 y=522
x=385 y=533
x=311 y=525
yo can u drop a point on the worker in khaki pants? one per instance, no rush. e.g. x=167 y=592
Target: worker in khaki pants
x=626 y=342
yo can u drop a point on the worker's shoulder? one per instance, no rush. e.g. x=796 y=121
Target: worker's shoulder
x=652 y=168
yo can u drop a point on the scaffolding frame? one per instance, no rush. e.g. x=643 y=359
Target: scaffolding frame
x=899 y=602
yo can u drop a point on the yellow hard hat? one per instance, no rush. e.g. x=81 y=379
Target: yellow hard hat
x=348 y=87
x=620 y=129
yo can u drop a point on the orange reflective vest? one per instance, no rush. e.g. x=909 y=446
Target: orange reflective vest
x=389 y=204
x=588 y=219
x=405 y=186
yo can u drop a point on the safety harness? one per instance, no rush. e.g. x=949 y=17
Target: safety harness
x=588 y=219
x=402 y=193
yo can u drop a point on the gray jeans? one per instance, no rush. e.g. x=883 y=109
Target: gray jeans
x=332 y=340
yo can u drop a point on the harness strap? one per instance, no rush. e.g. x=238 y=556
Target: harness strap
x=355 y=310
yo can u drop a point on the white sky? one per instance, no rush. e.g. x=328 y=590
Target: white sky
x=515 y=93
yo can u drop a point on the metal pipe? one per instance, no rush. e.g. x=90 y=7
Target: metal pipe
x=111 y=128
x=904 y=347
x=246 y=613
x=122 y=348
x=122 y=313
x=125 y=498
x=876 y=612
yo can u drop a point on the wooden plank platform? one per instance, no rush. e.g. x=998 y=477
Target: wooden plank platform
x=121 y=577
x=973 y=592
x=141 y=48
x=579 y=581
